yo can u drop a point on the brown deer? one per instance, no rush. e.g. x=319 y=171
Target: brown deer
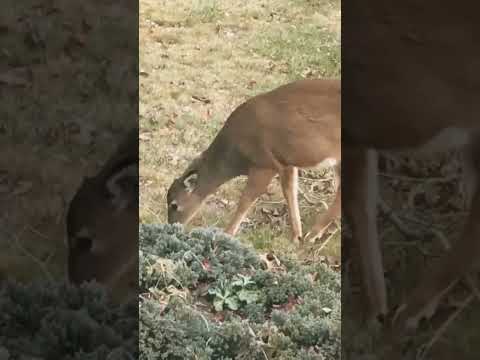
x=400 y=95
x=293 y=126
x=102 y=221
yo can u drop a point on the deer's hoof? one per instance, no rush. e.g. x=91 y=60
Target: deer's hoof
x=312 y=236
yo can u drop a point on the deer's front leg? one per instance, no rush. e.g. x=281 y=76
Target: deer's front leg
x=257 y=183
x=360 y=192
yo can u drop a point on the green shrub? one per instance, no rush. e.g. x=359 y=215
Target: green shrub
x=207 y=296
x=60 y=321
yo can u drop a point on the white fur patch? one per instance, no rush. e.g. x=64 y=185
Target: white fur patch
x=96 y=246
x=325 y=163
x=119 y=200
x=82 y=233
x=446 y=140
x=190 y=182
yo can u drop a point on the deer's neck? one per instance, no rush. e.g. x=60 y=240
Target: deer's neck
x=221 y=163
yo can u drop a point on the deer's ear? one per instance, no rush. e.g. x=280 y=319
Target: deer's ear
x=190 y=181
x=122 y=186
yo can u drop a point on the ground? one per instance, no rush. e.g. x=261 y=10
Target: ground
x=55 y=127
x=201 y=59
x=422 y=211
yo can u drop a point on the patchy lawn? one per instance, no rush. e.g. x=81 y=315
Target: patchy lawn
x=201 y=59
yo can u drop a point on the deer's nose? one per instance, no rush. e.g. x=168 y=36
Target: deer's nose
x=83 y=244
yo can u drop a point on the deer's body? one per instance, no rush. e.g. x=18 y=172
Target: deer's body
x=102 y=220
x=411 y=90
x=294 y=126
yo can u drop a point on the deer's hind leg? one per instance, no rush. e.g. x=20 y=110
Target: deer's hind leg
x=289 y=182
x=360 y=194
x=323 y=220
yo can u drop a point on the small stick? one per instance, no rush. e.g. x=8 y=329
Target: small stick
x=327 y=241
x=310 y=201
x=423 y=180
x=40 y=264
x=396 y=220
x=444 y=327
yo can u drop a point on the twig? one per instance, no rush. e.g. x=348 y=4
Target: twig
x=394 y=218
x=471 y=283
x=423 y=352
x=36 y=232
x=443 y=239
x=421 y=179
x=270 y=202
x=328 y=179
x=40 y=264
x=311 y=202
x=153 y=213
x=201 y=99
x=327 y=241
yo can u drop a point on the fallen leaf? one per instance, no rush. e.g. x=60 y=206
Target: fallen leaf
x=144 y=137
x=206 y=265
x=201 y=99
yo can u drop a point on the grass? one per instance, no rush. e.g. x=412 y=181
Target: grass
x=310 y=50
x=223 y=52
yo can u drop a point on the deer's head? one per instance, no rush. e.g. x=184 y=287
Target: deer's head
x=102 y=221
x=187 y=193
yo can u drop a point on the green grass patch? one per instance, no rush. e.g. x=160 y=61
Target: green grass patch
x=306 y=50
x=206 y=11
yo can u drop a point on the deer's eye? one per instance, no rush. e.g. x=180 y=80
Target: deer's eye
x=174 y=206
x=82 y=241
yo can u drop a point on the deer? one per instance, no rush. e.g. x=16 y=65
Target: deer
x=296 y=125
x=102 y=221
x=398 y=96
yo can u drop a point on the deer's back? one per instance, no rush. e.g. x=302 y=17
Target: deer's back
x=298 y=123
x=402 y=84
